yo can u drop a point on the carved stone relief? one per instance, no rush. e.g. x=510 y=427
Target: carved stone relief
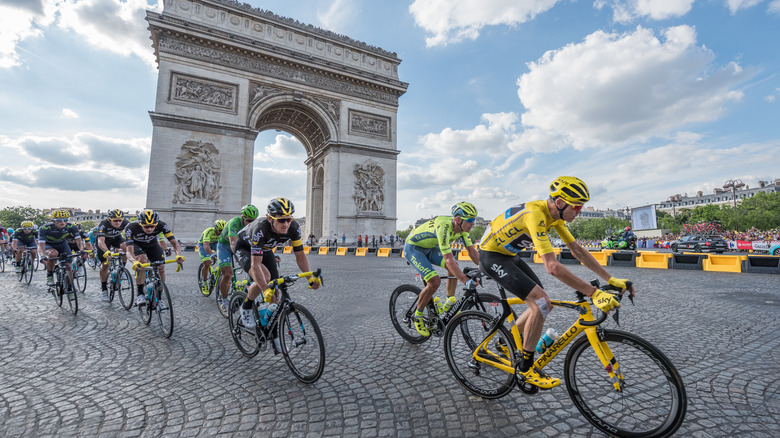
x=369 y=186
x=258 y=92
x=369 y=125
x=191 y=90
x=197 y=174
x=332 y=106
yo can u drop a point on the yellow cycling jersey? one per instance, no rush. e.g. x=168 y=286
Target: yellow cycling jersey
x=523 y=226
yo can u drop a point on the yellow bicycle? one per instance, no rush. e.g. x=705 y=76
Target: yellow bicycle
x=621 y=383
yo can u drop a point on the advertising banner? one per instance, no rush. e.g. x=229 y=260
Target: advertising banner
x=643 y=218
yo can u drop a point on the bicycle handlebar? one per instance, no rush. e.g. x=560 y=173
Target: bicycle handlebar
x=148 y=266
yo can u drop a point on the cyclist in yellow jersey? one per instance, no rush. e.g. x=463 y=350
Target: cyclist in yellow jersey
x=429 y=244
x=525 y=225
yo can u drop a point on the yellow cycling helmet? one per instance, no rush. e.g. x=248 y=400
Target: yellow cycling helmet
x=27 y=224
x=571 y=189
x=60 y=214
x=148 y=218
x=219 y=224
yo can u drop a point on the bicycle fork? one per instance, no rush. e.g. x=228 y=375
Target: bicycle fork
x=607 y=358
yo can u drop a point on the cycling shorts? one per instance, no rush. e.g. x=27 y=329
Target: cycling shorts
x=62 y=248
x=153 y=251
x=224 y=255
x=202 y=251
x=29 y=245
x=114 y=243
x=510 y=271
x=423 y=260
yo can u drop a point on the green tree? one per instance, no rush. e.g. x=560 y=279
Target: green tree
x=88 y=225
x=476 y=233
x=404 y=233
x=596 y=229
x=667 y=222
x=761 y=211
x=13 y=216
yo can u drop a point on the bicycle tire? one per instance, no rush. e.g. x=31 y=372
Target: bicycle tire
x=37 y=262
x=653 y=400
x=200 y=281
x=57 y=292
x=21 y=272
x=461 y=337
x=70 y=292
x=80 y=276
x=126 y=288
x=303 y=347
x=487 y=303
x=403 y=303
x=164 y=315
x=27 y=266
x=2 y=262
x=247 y=340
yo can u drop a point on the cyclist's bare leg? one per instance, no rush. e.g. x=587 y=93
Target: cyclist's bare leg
x=162 y=273
x=226 y=276
x=204 y=272
x=452 y=284
x=428 y=291
x=140 y=275
x=254 y=290
x=531 y=322
x=52 y=254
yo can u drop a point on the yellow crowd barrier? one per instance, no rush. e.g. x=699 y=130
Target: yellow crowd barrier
x=287 y=250
x=655 y=260
x=306 y=249
x=323 y=250
x=538 y=258
x=361 y=252
x=601 y=257
x=341 y=251
x=463 y=255
x=723 y=263
x=383 y=252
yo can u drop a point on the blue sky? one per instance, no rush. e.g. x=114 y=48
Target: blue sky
x=642 y=99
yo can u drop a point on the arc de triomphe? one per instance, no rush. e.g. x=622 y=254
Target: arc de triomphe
x=228 y=71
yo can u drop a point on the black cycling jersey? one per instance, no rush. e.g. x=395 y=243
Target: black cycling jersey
x=109 y=231
x=24 y=238
x=72 y=239
x=259 y=236
x=49 y=233
x=135 y=235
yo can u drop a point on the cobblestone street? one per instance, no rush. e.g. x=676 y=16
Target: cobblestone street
x=103 y=372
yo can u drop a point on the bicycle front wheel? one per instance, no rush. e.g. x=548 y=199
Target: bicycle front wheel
x=302 y=345
x=462 y=337
x=651 y=401
x=126 y=288
x=80 y=276
x=69 y=288
x=22 y=269
x=206 y=292
x=27 y=267
x=403 y=303
x=164 y=309
x=246 y=339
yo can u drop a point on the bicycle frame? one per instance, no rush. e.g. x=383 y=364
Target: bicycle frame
x=585 y=323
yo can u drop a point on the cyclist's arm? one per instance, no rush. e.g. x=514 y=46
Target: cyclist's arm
x=233 y=240
x=452 y=265
x=207 y=247
x=587 y=259
x=101 y=244
x=303 y=265
x=562 y=273
x=473 y=254
x=176 y=247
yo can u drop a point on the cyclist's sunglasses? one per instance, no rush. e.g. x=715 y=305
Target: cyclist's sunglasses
x=576 y=208
x=283 y=220
x=60 y=220
x=117 y=220
x=471 y=221
x=148 y=226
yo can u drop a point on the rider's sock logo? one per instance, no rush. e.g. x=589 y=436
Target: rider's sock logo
x=498 y=270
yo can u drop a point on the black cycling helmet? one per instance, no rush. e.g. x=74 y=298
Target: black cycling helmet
x=148 y=218
x=280 y=207
x=115 y=214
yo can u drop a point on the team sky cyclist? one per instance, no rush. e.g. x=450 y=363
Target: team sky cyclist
x=143 y=247
x=24 y=237
x=84 y=238
x=260 y=238
x=52 y=240
x=526 y=225
x=429 y=244
x=207 y=247
x=110 y=235
x=227 y=243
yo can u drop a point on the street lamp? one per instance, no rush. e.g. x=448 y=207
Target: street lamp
x=733 y=185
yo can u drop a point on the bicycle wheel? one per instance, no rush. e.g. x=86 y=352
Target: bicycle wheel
x=652 y=402
x=302 y=345
x=146 y=311
x=231 y=293
x=37 y=262
x=164 y=309
x=487 y=303
x=403 y=303
x=27 y=266
x=246 y=339
x=69 y=289
x=126 y=288
x=80 y=276
x=22 y=265
x=208 y=289
x=2 y=262
x=462 y=336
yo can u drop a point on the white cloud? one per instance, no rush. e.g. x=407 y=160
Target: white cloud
x=68 y=113
x=19 y=20
x=625 y=11
x=283 y=147
x=83 y=151
x=774 y=7
x=736 y=5
x=454 y=21
x=338 y=15
x=489 y=138
x=619 y=88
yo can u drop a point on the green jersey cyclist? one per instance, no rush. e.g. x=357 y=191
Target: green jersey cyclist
x=525 y=225
x=429 y=244
x=226 y=247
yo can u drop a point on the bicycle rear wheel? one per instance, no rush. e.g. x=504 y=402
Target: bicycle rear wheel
x=69 y=289
x=652 y=401
x=462 y=337
x=80 y=276
x=126 y=288
x=403 y=304
x=246 y=339
x=302 y=345
x=2 y=262
x=22 y=265
x=208 y=290
x=164 y=309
